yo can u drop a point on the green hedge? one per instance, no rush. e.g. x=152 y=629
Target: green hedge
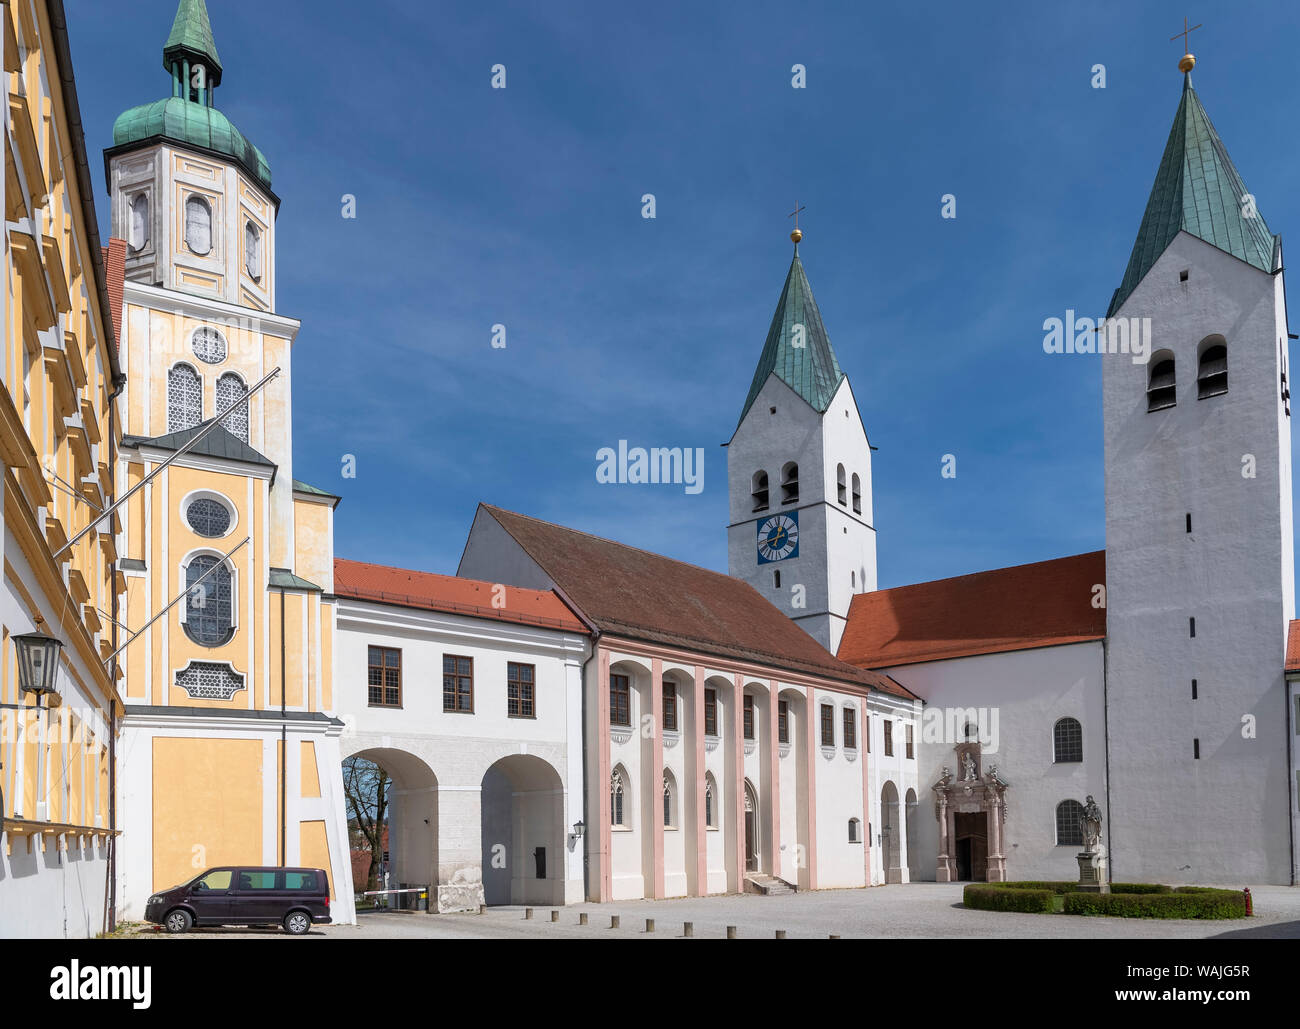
x=1184 y=902
x=1126 y=900
x=998 y=897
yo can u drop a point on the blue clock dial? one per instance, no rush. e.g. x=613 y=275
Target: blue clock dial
x=778 y=537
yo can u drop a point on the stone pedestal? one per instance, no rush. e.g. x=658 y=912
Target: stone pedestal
x=1092 y=871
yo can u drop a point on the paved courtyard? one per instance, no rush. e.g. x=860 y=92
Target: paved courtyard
x=918 y=910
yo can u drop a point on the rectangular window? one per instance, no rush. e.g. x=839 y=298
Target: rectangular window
x=1196 y=749
x=521 y=683
x=385 y=680
x=783 y=721
x=850 y=729
x=889 y=738
x=620 y=700
x=1193 y=689
x=910 y=751
x=749 y=717
x=710 y=712
x=457 y=684
x=1192 y=626
x=670 y=706
x=254 y=879
x=828 y=725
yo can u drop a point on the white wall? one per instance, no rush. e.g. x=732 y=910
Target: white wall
x=1019 y=695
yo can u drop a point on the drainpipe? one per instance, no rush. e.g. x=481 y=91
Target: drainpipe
x=586 y=821
x=119 y=384
x=284 y=740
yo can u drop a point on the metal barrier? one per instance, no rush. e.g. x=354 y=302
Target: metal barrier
x=408 y=898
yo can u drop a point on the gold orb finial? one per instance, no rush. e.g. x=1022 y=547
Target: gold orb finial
x=1187 y=63
x=796 y=236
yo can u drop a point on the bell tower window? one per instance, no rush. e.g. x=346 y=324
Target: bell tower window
x=198 y=225
x=1161 y=390
x=758 y=491
x=138 y=233
x=253 y=251
x=1212 y=373
x=790 y=484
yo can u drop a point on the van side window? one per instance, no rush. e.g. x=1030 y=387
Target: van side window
x=218 y=880
x=300 y=880
x=254 y=879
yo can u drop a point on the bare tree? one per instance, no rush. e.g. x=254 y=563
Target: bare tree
x=365 y=786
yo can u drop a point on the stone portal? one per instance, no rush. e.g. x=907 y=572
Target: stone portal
x=971 y=810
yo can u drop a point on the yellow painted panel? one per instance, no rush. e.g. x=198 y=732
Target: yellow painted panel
x=310 y=780
x=314 y=850
x=135 y=513
x=294 y=659
x=28 y=723
x=103 y=785
x=207 y=806
x=327 y=656
x=72 y=751
x=311 y=538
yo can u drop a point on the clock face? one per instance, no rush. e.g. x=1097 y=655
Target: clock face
x=778 y=537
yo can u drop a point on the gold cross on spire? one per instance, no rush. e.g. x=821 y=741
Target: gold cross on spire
x=1188 y=61
x=796 y=235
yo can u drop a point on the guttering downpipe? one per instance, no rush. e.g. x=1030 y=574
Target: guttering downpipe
x=284 y=741
x=119 y=384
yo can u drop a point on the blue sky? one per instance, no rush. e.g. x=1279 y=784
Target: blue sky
x=522 y=206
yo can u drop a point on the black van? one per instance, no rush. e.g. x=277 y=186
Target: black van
x=291 y=897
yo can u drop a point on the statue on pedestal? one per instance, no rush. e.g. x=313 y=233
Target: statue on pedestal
x=968 y=767
x=1090 y=825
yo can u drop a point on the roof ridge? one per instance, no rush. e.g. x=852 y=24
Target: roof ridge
x=986 y=571
x=444 y=575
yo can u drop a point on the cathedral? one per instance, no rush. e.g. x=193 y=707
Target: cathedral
x=612 y=723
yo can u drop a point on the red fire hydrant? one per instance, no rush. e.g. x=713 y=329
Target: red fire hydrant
x=1250 y=907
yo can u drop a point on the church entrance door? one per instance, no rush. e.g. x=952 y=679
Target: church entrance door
x=972 y=846
x=751 y=830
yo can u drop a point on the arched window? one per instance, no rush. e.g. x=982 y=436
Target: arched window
x=208 y=344
x=853 y=579
x=1068 y=831
x=1067 y=741
x=209 y=612
x=198 y=225
x=670 y=800
x=184 y=398
x=776 y=579
x=618 y=791
x=710 y=801
x=1161 y=391
x=758 y=490
x=790 y=484
x=208 y=517
x=138 y=233
x=855 y=831
x=230 y=387
x=1212 y=373
x=857 y=494
x=253 y=251
x=841 y=486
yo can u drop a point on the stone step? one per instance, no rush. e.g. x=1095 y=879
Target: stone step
x=768 y=885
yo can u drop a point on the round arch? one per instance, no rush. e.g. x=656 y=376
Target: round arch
x=523 y=832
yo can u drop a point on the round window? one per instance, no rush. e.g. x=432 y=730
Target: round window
x=209 y=345
x=208 y=517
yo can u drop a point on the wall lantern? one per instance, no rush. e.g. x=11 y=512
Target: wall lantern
x=579 y=830
x=38 y=663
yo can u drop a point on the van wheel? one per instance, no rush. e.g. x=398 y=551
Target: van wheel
x=178 y=921
x=296 y=923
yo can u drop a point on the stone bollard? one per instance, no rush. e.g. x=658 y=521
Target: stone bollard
x=835 y=936
x=482 y=909
x=780 y=934
x=582 y=918
x=688 y=929
x=555 y=916
x=649 y=925
x=613 y=921
x=528 y=912
x=731 y=932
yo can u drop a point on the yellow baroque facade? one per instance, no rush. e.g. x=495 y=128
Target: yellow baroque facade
x=58 y=436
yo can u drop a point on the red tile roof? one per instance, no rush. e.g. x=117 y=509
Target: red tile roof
x=634 y=593
x=430 y=592
x=115 y=272
x=1033 y=605
x=1293 y=646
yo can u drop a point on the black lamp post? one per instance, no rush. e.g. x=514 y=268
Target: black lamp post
x=38 y=663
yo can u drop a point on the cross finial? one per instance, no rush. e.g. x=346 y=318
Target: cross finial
x=796 y=235
x=1188 y=60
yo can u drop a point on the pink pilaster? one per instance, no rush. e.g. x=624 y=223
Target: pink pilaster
x=863 y=756
x=738 y=777
x=655 y=810
x=774 y=764
x=701 y=825
x=605 y=889
x=813 y=746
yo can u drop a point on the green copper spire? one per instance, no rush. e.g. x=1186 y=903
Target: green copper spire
x=189 y=116
x=798 y=350
x=191 y=37
x=1197 y=190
